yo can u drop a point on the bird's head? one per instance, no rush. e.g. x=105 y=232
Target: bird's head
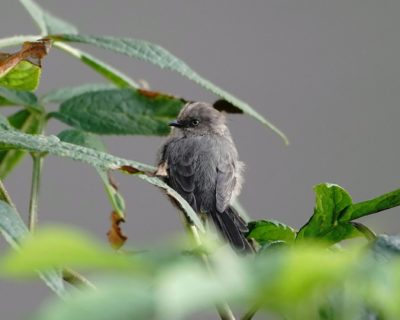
x=200 y=118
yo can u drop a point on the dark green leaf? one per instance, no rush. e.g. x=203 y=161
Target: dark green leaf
x=120 y=111
x=47 y=23
x=81 y=138
x=60 y=95
x=361 y=209
x=331 y=201
x=24 y=121
x=159 y=56
x=15 y=231
x=17 y=97
x=265 y=231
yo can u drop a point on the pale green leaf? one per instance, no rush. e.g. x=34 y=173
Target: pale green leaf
x=24 y=76
x=59 y=247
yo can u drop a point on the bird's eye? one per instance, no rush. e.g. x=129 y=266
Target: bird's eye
x=195 y=122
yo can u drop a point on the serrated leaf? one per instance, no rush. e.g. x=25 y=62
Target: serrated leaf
x=120 y=111
x=47 y=23
x=24 y=121
x=104 y=161
x=15 y=231
x=63 y=94
x=159 y=56
x=265 y=231
x=331 y=201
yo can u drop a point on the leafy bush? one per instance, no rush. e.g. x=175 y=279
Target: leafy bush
x=304 y=274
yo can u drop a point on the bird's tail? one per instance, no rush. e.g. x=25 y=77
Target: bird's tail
x=233 y=228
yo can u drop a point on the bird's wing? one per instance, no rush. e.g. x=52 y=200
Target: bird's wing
x=226 y=182
x=181 y=175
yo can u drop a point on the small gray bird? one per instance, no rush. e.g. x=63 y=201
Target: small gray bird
x=200 y=161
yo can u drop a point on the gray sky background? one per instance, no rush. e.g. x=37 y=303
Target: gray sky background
x=325 y=72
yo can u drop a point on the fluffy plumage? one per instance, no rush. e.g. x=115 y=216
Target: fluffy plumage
x=201 y=163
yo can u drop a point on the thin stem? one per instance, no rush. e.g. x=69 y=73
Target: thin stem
x=4 y=196
x=35 y=188
x=250 y=314
x=17 y=40
x=76 y=279
x=223 y=309
x=107 y=71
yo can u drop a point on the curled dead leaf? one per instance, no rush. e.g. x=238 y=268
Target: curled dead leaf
x=115 y=235
x=33 y=52
x=223 y=105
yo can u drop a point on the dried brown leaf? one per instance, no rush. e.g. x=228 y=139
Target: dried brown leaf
x=33 y=52
x=115 y=235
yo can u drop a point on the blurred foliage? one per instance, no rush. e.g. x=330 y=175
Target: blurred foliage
x=304 y=274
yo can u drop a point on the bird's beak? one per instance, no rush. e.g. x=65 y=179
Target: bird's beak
x=175 y=123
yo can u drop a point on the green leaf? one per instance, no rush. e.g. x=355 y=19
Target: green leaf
x=104 y=161
x=47 y=23
x=159 y=56
x=361 y=209
x=17 y=97
x=342 y=231
x=331 y=201
x=120 y=111
x=24 y=76
x=15 y=231
x=265 y=231
x=4 y=124
x=110 y=73
x=59 y=247
x=24 y=121
x=62 y=94
x=81 y=138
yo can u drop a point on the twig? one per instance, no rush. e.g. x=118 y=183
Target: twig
x=35 y=188
x=6 y=197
